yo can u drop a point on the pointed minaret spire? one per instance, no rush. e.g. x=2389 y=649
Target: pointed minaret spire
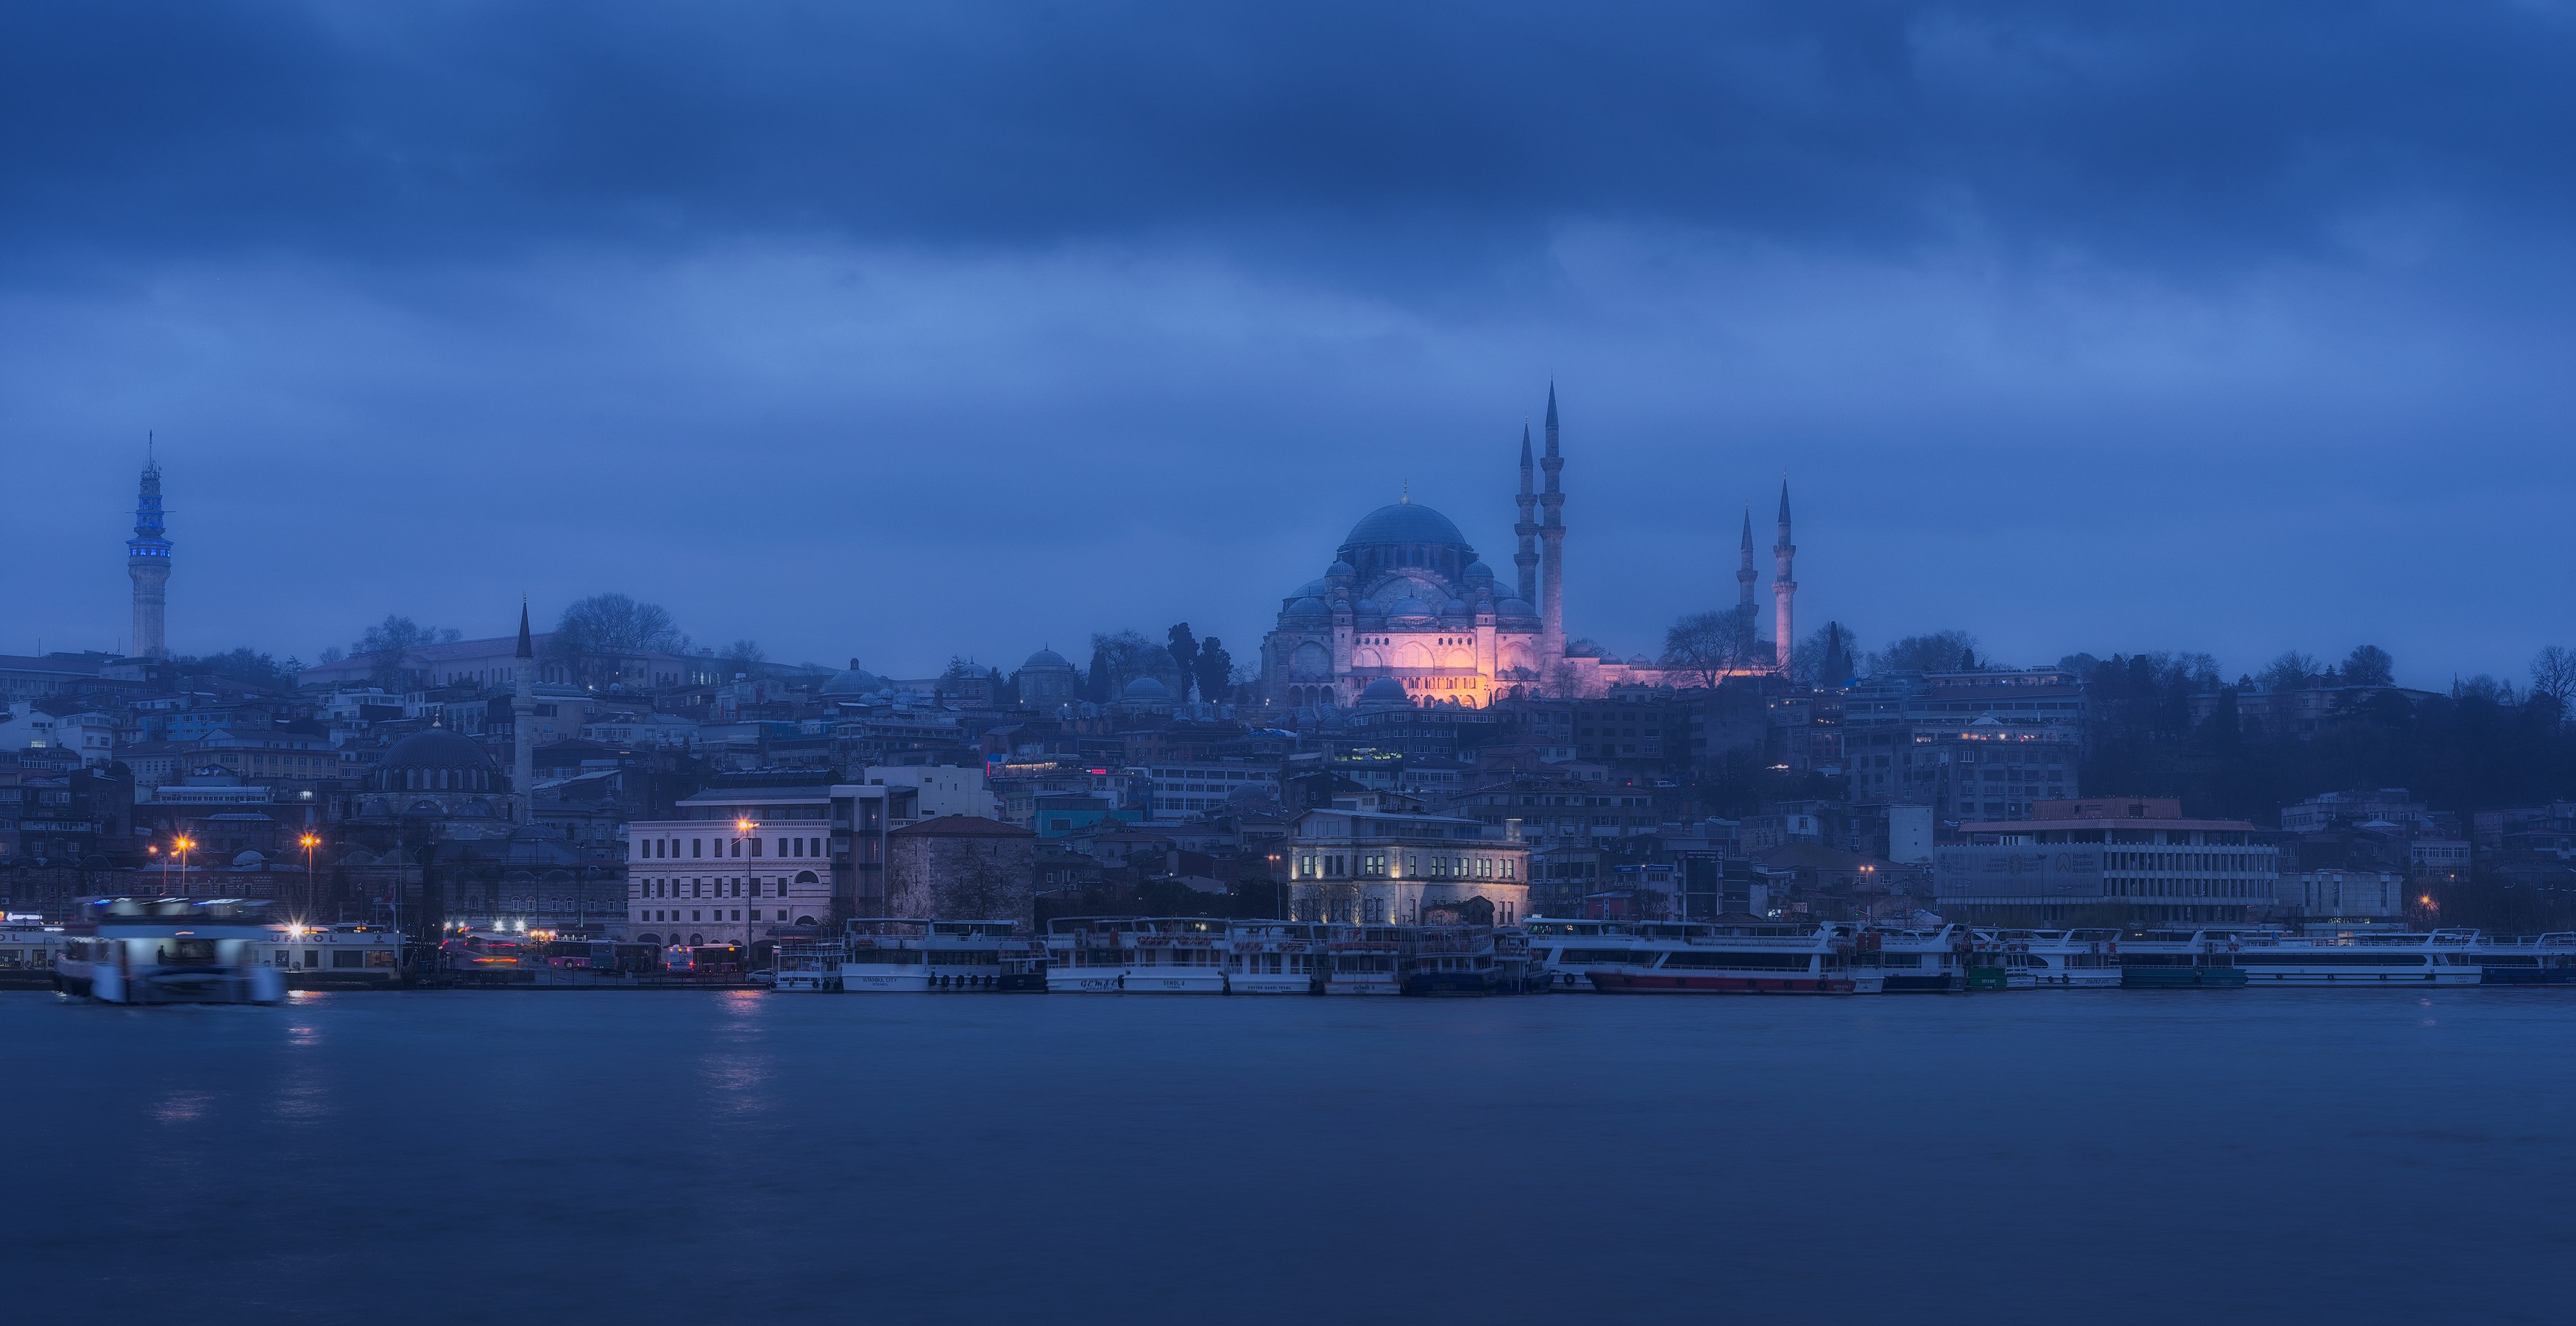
x=1551 y=532
x=1745 y=576
x=1527 y=557
x=523 y=722
x=1784 y=585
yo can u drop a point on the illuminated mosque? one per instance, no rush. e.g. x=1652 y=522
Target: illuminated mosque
x=1407 y=614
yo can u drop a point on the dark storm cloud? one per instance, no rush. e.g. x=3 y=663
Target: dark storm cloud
x=2167 y=134
x=903 y=329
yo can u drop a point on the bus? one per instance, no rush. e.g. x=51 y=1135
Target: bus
x=601 y=955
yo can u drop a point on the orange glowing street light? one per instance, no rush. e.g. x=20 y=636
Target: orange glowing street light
x=308 y=841
x=744 y=828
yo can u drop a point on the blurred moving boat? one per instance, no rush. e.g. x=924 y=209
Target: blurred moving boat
x=169 y=951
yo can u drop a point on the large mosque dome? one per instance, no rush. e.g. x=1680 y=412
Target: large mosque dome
x=1404 y=522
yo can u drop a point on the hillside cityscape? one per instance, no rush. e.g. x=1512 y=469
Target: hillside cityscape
x=1418 y=736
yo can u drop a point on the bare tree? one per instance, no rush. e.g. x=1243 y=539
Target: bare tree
x=612 y=624
x=2553 y=673
x=1940 y=651
x=1824 y=658
x=1709 y=646
x=388 y=648
x=1127 y=655
x=2289 y=672
x=2369 y=665
x=743 y=656
x=616 y=624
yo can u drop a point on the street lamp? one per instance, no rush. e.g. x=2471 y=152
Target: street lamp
x=744 y=828
x=182 y=845
x=308 y=842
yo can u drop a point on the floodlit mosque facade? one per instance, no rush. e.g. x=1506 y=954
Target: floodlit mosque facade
x=1407 y=613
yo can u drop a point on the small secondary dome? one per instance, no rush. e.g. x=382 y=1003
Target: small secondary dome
x=1146 y=688
x=1409 y=607
x=1385 y=690
x=1045 y=658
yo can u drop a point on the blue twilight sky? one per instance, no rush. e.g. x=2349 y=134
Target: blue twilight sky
x=901 y=330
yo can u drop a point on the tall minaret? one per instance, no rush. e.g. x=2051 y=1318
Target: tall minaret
x=1527 y=558
x=1745 y=575
x=523 y=726
x=147 y=563
x=1784 y=586
x=1552 y=553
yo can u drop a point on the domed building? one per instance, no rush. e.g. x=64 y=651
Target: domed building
x=1049 y=679
x=1406 y=608
x=436 y=772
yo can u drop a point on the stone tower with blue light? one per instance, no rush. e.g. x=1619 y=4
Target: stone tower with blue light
x=147 y=564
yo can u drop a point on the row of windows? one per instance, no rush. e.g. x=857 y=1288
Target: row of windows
x=715 y=888
x=661 y=849
x=1378 y=865
x=666 y=917
x=2185 y=888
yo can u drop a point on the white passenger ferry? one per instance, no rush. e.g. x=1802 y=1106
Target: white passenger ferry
x=1565 y=951
x=169 y=951
x=313 y=956
x=1471 y=960
x=1276 y=957
x=1365 y=959
x=1655 y=957
x=1138 y=955
x=2274 y=959
x=1932 y=961
x=29 y=951
x=2526 y=959
x=808 y=968
x=2061 y=959
x=902 y=955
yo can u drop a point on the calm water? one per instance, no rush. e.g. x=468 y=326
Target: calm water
x=597 y=1157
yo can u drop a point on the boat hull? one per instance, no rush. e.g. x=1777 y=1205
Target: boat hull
x=2181 y=978
x=2270 y=978
x=863 y=979
x=2527 y=976
x=1665 y=983
x=1453 y=984
x=174 y=985
x=1135 y=980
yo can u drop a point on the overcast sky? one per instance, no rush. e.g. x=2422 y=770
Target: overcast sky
x=900 y=331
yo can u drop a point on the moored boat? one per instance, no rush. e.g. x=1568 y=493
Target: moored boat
x=909 y=955
x=1275 y=957
x=2181 y=959
x=169 y=951
x=1930 y=961
x=1711 y=958
x=2063 y=959
x=808 y=968
x=2274 y=959
x=2527 y=959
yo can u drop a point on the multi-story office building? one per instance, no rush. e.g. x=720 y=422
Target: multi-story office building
x=2135 y=855
x=1183 y=789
